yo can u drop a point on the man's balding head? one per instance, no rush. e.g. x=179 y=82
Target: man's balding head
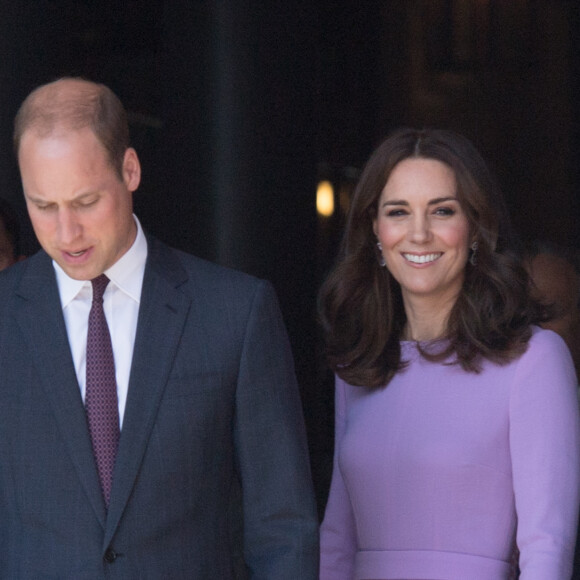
x=73 y=104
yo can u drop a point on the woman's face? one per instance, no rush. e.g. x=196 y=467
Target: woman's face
x=423 y=230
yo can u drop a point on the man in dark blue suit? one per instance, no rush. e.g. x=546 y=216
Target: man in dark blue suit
x=206 y=396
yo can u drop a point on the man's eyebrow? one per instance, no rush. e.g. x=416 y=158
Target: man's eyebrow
x=79 y=197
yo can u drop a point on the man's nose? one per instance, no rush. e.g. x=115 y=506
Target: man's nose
x=69 y=227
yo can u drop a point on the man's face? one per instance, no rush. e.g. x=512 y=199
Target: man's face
x=80 y=209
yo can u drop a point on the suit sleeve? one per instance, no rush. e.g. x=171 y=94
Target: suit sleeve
x=337 y=537
x=545 y=448
x=280 y=519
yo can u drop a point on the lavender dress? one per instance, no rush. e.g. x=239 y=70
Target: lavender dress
x=440 y=474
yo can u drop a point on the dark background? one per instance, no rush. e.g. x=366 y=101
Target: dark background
x=238 y=108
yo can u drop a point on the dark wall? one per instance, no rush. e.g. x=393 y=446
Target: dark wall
x=238 y=107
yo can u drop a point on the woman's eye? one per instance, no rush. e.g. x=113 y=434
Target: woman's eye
x=396 y=212
x=445 y=211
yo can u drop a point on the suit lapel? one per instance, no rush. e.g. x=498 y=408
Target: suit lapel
x=37 y=310
x=162 y=315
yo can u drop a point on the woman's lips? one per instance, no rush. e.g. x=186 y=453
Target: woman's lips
x=422 y=258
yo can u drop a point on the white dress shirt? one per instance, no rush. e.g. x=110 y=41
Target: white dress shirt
x=121 y=304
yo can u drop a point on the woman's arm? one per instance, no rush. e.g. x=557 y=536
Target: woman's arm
x=337 y=533
x=545 y=448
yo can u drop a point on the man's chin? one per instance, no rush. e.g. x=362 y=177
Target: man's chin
x=80 y=272
x=78 y=267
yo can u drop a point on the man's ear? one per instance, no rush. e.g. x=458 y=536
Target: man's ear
x=131 y=169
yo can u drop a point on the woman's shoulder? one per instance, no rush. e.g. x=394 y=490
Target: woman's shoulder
x=547 y=356
x=545 y=340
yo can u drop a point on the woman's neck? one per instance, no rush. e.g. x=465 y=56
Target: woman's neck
x=426 y=319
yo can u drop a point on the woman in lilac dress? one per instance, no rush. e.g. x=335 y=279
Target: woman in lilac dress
x=457 y=429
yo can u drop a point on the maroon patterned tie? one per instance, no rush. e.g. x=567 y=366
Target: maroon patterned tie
x=101 y=389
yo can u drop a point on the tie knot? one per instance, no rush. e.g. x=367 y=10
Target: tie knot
x=99 y=284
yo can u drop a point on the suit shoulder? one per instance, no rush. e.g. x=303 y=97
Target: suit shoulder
x=200 y=268
x=206 y=276
x=11 y=276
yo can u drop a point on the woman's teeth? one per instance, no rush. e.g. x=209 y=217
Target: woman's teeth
x=422 y=259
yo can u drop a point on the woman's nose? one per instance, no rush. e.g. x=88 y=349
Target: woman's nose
x=419 y=229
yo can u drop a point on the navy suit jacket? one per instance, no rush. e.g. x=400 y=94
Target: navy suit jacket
x=212 y=404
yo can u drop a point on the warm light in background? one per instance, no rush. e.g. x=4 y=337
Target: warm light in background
x=325 y=199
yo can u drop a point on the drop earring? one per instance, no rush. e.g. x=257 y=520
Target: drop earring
x=382 y=262
x=473 y=257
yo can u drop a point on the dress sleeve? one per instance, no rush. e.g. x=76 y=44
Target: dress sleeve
x=545 y=450
x=338 y=534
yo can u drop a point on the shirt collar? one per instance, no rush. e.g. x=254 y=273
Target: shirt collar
x=126 y=273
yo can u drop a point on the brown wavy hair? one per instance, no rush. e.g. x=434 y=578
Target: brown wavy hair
x=360 y=304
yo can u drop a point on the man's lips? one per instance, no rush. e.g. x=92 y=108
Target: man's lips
x=422 y=258
x=75 y=256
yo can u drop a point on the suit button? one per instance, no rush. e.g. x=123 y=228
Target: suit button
x=110 y=556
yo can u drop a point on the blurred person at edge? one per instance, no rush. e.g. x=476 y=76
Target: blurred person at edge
x=457 y=428
x=555 y=274
x=9 y=236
